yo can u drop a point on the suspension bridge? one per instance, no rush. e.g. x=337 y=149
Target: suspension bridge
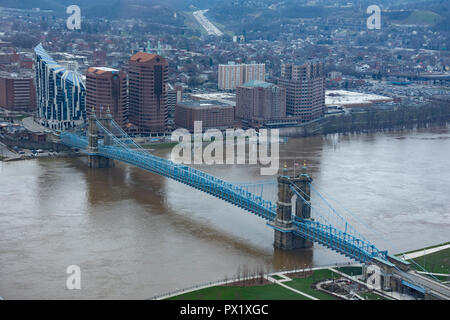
x=297 y=223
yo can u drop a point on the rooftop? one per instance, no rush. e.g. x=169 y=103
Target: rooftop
x=20 y=74
x=204 y=104
x=345 y=98
x=101 y=70
x=258 y=84
x=66 y=75
x=143 y=57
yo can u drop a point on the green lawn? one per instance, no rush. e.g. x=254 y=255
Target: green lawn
x=371 y=296
x=304 y=284
x=351 y=271
x=438 y=262
x=430 y=247
x=422 y=17
x=265 y=292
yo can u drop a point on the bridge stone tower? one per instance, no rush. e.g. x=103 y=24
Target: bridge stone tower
x=285 y=239
x=94 y=160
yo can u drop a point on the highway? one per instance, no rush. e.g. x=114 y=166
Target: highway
x=426 y=283
x=206 y=24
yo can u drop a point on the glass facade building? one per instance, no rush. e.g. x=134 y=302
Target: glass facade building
x=61 y=93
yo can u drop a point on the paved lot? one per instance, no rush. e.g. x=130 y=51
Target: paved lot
x=32 y=126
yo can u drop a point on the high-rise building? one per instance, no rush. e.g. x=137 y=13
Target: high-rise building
x=233 y=75
x=174 y=96
x=305 y=90
x=17 y=91
x=258 y=102
x=61 y=93
x=106 y=89
x=148 y=78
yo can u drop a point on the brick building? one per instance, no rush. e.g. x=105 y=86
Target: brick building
x=17 y=91
x=106 y=88
x=305 y=90
x=148 y=79
x=213 y=114
x=258 y=102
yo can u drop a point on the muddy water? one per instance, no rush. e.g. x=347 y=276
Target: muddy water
x=135 y=234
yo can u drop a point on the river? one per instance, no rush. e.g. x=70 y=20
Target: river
x=135 y=234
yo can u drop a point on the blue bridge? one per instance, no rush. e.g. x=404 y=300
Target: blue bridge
x=106 y=141
x=297 y=223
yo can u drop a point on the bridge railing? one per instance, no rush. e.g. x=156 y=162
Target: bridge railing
x=191 y=176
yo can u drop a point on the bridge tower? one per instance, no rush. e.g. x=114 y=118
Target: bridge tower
x=285 y=238
x=94 y=160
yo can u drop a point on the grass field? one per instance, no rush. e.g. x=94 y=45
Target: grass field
x=430 y=247
x=438 y=262
x=422 y=17
x=304 y=284
x=352 y=271
x=265 y=292
x=371 y=296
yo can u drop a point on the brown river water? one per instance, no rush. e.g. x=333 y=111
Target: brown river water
x=135 y=234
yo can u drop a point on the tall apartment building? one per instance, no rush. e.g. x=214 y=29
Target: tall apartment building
x=174 y=96
x=258 y=102
x=148 y=79
x=17 y=91
x=305 y=90
x=233 y=75
x=106 y=88
x=61 y=93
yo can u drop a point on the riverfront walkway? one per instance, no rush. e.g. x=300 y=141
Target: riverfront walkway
x=301 y=286
x=424 y=252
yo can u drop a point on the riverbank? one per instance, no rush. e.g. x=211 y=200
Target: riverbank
x=43 y=156
x=402 y=118
x=433 y=261
x=321 y=283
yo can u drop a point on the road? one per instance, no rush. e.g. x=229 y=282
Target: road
x=206 y=24
x=421 y=253
x=5 y=152
x=32 y=126
x=426 y=283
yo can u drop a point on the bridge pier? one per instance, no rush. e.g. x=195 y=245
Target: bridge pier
x=94 y=160
x=284 y=236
